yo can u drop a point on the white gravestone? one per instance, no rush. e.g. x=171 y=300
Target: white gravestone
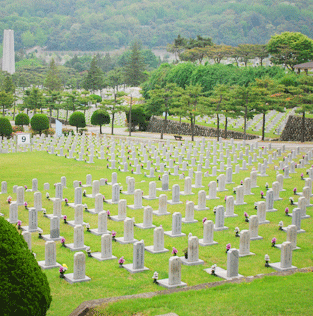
x=247 y=187
x=270 y=201
x=230 y=202
x=137 y=200
x=232 y=266
x=291 y=237
x=138 y=258
x=13 y=213
x=212 y=191
x=121 y=211
x=130 y=186
x=162 y=206
x=4 y=187
x=79 y=269
x=285 y=258
x=147 y=219
x=54 y=230
x=254 y=228
x=244 y=247
x=20 y=195
x=193 y=253
x=102 y=224
x=165 y=181
x=176 y=226
x=98 y=204
x=219 y=219
x=221 y=183
x=32 y=221
x=115 y=194
x=95 y=189
x=189 y=217
x=240 y=196
x=58 y=192
x=152 y=191
x=175 y=195
x=50 y=256
x=78 y=239
x=261 y=213
x=296 y=220
x=106 y=249
x=28 y=238
x=201 y=202
x=198 y=180
x=128 y=232
x=187 y=187
x=158 y=241
x=38 y=202
x=208 y=231
x=174 y=275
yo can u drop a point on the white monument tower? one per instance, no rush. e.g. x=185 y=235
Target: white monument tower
x=8 y=59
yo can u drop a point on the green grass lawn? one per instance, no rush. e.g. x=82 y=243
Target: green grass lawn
x=107 y=279
x=271 y=295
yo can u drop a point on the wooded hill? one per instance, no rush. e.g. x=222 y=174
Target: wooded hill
x=107 y=24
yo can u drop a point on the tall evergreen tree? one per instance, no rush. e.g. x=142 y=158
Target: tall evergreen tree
x=135 y=66
x=53 y=80
x=94 y=78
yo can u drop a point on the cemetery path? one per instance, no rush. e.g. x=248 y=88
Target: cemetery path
x=85 y=308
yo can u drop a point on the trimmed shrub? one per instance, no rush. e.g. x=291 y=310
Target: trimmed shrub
x=100 y=117
x=138 y=117
x=96 y=97
x=77 y=119
x=24 y=287
x=5 y=127
x=39 y=122
x=21 y=119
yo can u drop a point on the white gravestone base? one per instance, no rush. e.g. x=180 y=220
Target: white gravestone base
x=222 y=273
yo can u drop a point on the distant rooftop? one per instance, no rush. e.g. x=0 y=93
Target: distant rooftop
x=308 y=65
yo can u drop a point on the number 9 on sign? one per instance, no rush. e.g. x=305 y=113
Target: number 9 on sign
x=23 y=139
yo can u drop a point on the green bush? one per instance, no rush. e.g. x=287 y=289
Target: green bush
x=100 y=117
x=77 y=119
x=5 y=127
x=138 y=117
x=21 y=119
x=39 y=122
x=96 y=97
x=24 y=287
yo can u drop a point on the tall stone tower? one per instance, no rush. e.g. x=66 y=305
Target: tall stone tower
x=8 y=59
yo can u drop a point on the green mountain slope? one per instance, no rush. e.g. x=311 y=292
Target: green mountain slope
x=108 y=24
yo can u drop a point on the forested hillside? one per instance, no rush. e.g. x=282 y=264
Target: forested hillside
x=108 y=24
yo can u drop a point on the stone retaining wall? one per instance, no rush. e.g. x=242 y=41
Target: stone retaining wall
x=61 y=120
x=293 y=129
x=173 y=127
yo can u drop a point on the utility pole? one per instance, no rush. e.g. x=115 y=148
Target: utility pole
x=130 y=116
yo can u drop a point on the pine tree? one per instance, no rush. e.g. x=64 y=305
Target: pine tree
x=94 y=78
x=53 y=80
x=135 y=67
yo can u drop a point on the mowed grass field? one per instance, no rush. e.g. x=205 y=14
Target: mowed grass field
x=271 y=295
x=107 y=279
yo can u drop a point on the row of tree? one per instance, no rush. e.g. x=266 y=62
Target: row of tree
x=287 y=49
x=189 y=90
